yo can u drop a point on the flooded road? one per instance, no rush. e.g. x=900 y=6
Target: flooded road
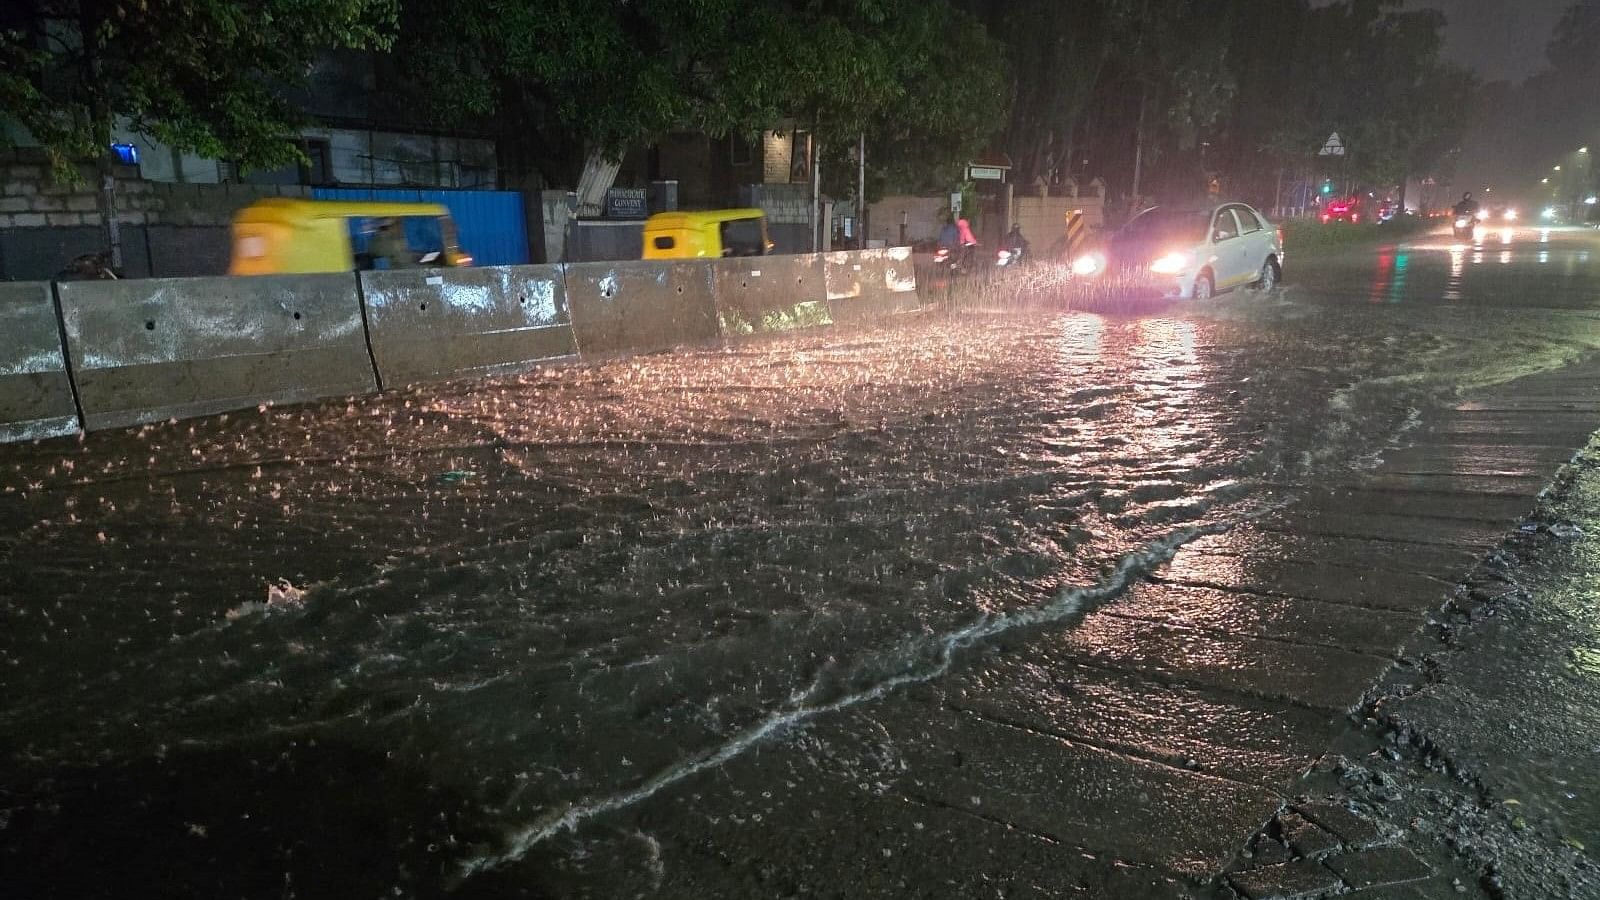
x=943 y=609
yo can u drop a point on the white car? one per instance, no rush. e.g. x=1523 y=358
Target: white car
x=1195 y=253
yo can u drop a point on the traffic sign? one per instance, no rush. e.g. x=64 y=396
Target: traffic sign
x=1334 y=146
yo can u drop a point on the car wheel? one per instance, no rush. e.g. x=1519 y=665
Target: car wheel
x=1203 y=288
x=1269 y=277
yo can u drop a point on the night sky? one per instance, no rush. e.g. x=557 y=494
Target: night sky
x=1502 y=39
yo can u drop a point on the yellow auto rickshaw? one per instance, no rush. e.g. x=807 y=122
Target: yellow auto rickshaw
x=709 y=233
x=280 y=235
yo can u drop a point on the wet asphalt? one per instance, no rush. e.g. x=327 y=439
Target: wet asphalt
x=1009 y=604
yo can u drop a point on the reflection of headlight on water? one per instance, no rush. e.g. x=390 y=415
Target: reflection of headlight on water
x=1087 y=265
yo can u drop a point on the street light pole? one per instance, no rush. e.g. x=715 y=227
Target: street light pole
x=861 y=193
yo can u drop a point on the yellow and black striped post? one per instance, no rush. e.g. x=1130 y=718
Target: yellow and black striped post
x=1077 y=234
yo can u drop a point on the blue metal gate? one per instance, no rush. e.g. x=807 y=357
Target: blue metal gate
x=492 y=226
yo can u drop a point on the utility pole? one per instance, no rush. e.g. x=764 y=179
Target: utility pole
x=861 y=193
x=1138 y=148
x=814 y=147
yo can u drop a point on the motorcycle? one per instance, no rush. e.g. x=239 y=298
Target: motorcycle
x=954 y=262
x=1464 y=226
x=1010 y=257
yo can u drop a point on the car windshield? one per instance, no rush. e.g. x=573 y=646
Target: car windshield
x=1167 y=225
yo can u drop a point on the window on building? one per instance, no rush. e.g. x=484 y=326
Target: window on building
x=740 y=151
x=319 y=167
x=316 y=169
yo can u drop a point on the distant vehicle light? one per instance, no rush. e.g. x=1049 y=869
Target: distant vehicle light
x=1481 y=214
x=1548 y=214
x=1087 y=265
x=1592 y=200
x=1511 y=215
x=1172 y=264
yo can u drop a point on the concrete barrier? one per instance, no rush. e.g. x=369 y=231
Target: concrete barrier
x=436 y=324
x=35 y=392
x=641 y=305
x=770 y=293
x=869 y=284
x=144 y=351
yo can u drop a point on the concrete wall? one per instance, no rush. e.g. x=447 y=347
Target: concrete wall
x=641 y=305
x=1043 y=219
x=429 y=325
x=770 y=293
x=144 y=351
x=35 y=393
x=870 y=284
x=167 y=229
x=598 y=240
x=788 y=209
x=140 y=351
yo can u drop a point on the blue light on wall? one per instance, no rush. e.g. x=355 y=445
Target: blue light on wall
x=127 y=153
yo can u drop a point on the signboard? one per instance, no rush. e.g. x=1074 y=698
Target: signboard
x=627 y=203
x=1334 y=146
x=986 y=173
x=955 y=204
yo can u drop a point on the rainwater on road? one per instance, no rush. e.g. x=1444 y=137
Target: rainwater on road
x=935 y=609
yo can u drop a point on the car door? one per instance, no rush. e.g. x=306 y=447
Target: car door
x=1257 y=239
x=1227 y=249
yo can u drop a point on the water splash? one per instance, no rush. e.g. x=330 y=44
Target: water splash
x=1067 y=604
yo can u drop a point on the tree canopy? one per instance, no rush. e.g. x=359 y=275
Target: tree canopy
x=1184 y=90
x=559 y=77
x=204 y=76
x=1240 y=90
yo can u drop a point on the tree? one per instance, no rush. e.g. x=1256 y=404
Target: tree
x=204 y=76
x=581 y=82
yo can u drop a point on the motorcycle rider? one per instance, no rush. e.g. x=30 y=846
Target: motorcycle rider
x=969 y=242
x=1467 y=208
x=1014 y=241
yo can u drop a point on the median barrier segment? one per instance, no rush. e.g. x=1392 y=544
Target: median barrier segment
x=759 y=294
x=437 y=324
x=869 y=284
x=620 y=306
x=35 y=391
x=144 y=351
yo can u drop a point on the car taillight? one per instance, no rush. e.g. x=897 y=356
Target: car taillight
x=1280 y=238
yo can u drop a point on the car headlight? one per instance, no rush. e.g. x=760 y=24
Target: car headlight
x=1173 y=264
x=1087 y=265
x=1511 y=215
x=1482 y=214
